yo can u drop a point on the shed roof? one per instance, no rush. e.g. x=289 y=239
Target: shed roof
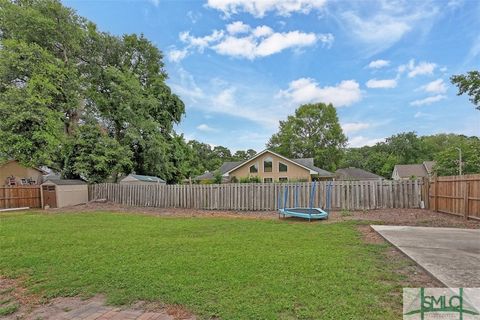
x=62 y=182
x=146 y=178
x=356 y=173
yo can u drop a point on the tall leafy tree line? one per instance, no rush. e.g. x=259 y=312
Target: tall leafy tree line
x=314 y=131
x=93 y=105
x=409 y=148
x=81 y=101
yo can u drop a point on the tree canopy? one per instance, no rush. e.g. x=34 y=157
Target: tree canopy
x=68 y=90
x=312 y=132
x=470 y=84
x=94 y=105
x=409 y=148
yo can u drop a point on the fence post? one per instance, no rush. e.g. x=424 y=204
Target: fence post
x=426 y=190
x=435 y=199
x=465 y=200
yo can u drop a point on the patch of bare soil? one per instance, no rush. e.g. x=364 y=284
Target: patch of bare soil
x=406 y=217
x=21 y=305
x=170 y=212
x=14 y=301
x=412 y=274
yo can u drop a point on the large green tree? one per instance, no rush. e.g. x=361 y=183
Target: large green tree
x=470 y=84
x=58 y=72
x=447 y=161
x=90 y=153
x=312 y=132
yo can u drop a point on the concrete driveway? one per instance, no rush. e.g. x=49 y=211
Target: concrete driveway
x=451 y=255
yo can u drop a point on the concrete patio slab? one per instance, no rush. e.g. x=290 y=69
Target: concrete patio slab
x=449 y=254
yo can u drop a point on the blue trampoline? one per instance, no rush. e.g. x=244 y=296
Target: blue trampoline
x=305 y=213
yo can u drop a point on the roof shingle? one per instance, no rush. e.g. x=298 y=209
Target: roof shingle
x=356 y=174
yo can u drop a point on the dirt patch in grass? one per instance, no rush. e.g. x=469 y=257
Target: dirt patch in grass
x=406 y=217
x=412 y=274
x=17 y=304
x=14 y=300
x=165 y=212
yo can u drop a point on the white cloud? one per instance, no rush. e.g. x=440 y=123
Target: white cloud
x=378 y=25
x=206 y=128
x=259 y=8
x=360 y=141
x=201 y=42
x=385 y=83
x=306 y=90
x=377 y=64
x=354 y=126
x=155 y=2
x=262 y=31
x=422 y=68
x=221 y=97
x=380 y=31
x=237 y=27
x=420 y=114
x=241 y=41
x=175 y=55
x=428 y=100
x=194 y=16
x=474 y=49
x=277 y=42
x=436 y=86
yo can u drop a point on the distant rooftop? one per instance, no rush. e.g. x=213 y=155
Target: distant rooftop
x=147 y=178
x=62 y=182
x=353 y=173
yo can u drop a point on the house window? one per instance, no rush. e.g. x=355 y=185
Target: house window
x=283 y=179
x=267 y=180
x=254 y=168
x=267 y=165
x=282 y=167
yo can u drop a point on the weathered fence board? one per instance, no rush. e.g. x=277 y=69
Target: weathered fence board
x=458 y=195
x=20 y=196
x=349 y=195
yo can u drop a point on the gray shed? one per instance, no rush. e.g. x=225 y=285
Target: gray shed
x=139 y=179
x=62 y=193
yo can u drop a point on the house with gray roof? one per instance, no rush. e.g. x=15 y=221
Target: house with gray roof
x=269 y=166
x=409 y=171
x=353 y=173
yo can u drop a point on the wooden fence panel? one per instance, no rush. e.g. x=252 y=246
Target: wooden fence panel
x=20 y=196
x=349 y=195
x=458 y=195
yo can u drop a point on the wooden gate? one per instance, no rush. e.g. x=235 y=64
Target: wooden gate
x=458 y=195
x=49 y=196
x=21 y=196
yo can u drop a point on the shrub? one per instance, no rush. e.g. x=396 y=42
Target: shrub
x=217 y=177
x=250 y=179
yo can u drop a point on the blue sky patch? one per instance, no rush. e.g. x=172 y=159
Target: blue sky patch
x=241 y=66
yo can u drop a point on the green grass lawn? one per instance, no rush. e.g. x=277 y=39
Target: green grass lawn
x=227 y=268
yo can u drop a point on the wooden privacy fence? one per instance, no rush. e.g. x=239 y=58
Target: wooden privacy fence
x=21 y=196
x=349 y=195
x=459 y=195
